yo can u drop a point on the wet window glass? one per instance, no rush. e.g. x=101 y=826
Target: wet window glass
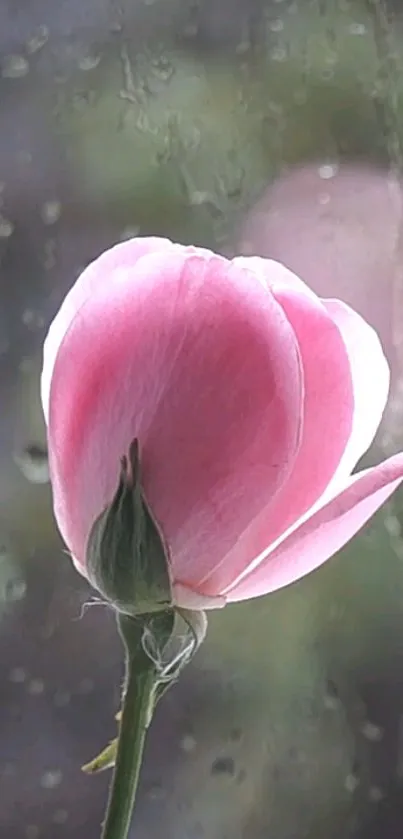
x=252 y=128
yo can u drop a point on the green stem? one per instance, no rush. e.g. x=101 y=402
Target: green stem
x=138 y=703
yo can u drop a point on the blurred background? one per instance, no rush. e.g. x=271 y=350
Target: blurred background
x=248 y=126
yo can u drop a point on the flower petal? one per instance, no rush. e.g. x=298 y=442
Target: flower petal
x=323 y=534
x=193 y=356
x=328 y=412
x=371 y=377
x=329 y=399
x=275 y=275
x=122 y=256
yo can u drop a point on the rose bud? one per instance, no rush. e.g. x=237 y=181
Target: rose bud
x=250 y=401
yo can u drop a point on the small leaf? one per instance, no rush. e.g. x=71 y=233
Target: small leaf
x=105 y=760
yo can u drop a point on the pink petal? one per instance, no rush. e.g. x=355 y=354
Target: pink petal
x=122 y=256
x=328 y=415
x=275 y=275
x=328 y=403
x=371 y=376
x=329 y=398
x=195 y=358
x=323 y=534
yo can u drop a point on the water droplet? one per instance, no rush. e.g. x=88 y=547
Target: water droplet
x=36 y=687
x=14 y=67
x=51 y=779
x=328 y=170
x=32 y=319
x=51 y=211
x=6 y=228
x=162 y=69
x=276 y=25
x=357 y=29
x=351 y=782
x=278 y=54
x=392 y=525
x=372 y=732
x=223 y=766
x=15 y=590
x=89 y=62
x=323 y=198
x=198 y=197
x=32 y=831
x=33 y=463
x=190 y=30
x=188 y=743
x=38 y=39
x=143 y=123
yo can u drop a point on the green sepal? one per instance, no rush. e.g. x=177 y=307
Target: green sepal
x=126 y=559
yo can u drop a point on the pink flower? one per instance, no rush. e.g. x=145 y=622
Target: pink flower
x=252 y=400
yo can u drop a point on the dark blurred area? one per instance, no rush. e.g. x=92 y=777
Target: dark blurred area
x=248 y=126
